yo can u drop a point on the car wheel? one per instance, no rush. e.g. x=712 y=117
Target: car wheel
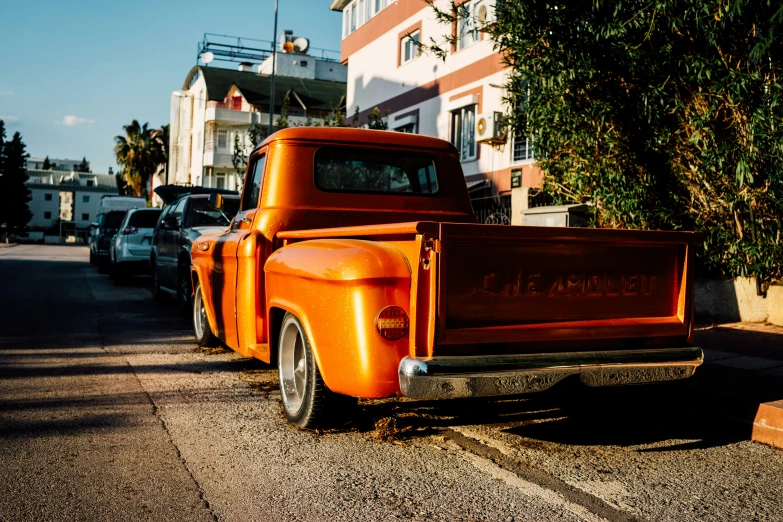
x=204 y=336
x=157 y=294
x=184 y=291
x=92 y=257
x=306 y=399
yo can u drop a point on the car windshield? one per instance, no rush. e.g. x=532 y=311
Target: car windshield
x=349 y=170
x=144 y=218
x=113 y=219
x=202 y=214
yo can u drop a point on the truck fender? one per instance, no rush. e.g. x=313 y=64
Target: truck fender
x=337 y=288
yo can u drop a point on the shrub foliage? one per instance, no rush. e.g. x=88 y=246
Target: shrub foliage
x=665 y=114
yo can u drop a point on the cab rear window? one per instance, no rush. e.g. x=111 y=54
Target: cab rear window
x=377 y=171
x=144 y=218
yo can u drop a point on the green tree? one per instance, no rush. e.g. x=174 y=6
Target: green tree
x=664 y=114
x=84 y=166
x=140 y=153
x=244 y=143
x=46 y=164
x=282 y=121
x=14 y=212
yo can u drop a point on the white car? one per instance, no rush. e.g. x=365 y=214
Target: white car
x=130 y=247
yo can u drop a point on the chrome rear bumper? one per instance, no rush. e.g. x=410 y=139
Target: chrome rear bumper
x=481 y=376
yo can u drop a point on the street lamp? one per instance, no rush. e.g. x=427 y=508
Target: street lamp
x=272 y=78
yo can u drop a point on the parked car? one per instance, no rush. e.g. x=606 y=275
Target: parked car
x=181 y=222
x=357 y=267
x=131 y=245
x=111 y=210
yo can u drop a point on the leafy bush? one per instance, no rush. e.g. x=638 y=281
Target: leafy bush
x=666 y=114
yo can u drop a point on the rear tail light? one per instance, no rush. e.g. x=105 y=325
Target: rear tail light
x=392 y=323
x=129 y=230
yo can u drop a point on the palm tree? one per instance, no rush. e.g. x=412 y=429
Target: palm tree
x=137 y=154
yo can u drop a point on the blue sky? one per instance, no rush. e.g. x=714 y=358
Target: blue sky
x=73 y=72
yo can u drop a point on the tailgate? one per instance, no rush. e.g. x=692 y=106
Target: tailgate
x=517 y=284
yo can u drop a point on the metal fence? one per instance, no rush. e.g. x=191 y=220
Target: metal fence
x=494 y=210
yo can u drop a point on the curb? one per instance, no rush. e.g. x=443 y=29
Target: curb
x=768 y=424
x=757 y=382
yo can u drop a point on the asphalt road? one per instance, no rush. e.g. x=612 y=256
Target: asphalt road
x=108 y=411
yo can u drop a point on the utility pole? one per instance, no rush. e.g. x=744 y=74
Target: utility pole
x=272 y=77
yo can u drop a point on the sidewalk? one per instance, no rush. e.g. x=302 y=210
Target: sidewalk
x=743 y=366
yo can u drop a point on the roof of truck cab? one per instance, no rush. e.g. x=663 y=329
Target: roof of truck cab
x=361 y=136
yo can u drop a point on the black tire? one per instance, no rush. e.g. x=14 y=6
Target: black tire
x=92 y=257
x=184 y=290
x=307 y=402
x=201 y=329
x=157 y=294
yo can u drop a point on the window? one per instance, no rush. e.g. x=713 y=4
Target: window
x=222 y=138
x=220 y=181
x=47 y=197
x=85 y=217
x=522 y=148
x=367 y=10
x=348 y=170
x=409 y=128
x=47 y=215
x=144 y=218
x=85 y=199
x=346 y=22
x=201 y=214
x=252 y=191
x=410 y=47
x=468 y=32
x=361 y=12
x=236 y=103
x=90 y=183
x=179 y=210
x=463 y=132
x=353 y=18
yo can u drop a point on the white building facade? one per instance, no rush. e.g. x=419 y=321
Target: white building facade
x=71 y=197
x=458 y=99
x=217 y=107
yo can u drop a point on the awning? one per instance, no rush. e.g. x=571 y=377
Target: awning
x=475 y=186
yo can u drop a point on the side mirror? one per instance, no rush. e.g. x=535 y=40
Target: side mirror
x=216 y=201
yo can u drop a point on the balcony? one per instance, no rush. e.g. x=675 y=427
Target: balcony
x=217 y=158
x=230 y=116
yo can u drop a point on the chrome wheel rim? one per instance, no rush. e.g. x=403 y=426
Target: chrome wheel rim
x=199 y=314
x=293 y=366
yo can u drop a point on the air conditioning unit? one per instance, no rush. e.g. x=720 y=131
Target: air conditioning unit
x=485 y=13
x=490 y=127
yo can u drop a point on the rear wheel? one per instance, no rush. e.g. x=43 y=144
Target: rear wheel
x=306 y=399
x=204 y=336
x=157 y=294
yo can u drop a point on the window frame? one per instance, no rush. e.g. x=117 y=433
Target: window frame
x=406 y=44
x=457 y=130
x=467 y=25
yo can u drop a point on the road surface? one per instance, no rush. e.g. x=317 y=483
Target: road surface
x=109 y=411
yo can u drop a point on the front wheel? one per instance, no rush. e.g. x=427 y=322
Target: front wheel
x=204 y=336
x=305 y=396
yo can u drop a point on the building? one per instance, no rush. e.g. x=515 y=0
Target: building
x=60 y=165
x=68 y=197
x=458 y=99
x=217 y=107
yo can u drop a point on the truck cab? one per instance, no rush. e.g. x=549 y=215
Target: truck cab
x=355 y=264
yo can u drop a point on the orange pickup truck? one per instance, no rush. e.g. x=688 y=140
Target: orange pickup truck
x=356 y=266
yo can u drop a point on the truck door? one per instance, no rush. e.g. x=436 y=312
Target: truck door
x=226 y=263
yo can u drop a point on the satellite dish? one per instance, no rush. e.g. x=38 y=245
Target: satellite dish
x=301 y=44
x=483 y=14
x=207 y=57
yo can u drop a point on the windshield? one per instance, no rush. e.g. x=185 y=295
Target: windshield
x=202 y=214
x=391 y=172
x=144 y=219
x=113 y=219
